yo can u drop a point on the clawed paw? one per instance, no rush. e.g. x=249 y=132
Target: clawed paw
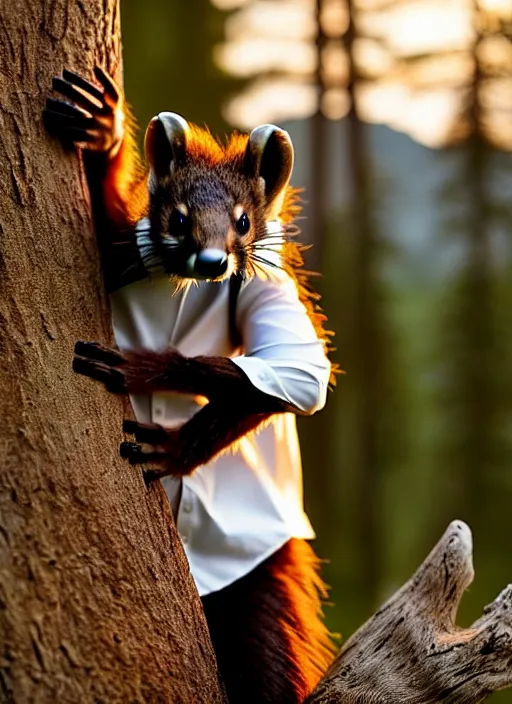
x=94 y=118
x=146 y=434
x=150 y=433
x=153 y=444
x=135 y=454
x=121 y=373
x=101 y=363
x=137 y=372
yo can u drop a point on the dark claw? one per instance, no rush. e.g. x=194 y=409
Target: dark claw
x=129 y=426
x=89 y=367
x=70 y=92
x=77 y=135
x=109 y=86
x=112 y=378
x=151 y=434
x=132 y=452
x=82 y=83
x=55 y=106
x=69 y=122
x=81 y=366
x=98 y=352
x=76 y=129
x=116 y=383
x=149 y=476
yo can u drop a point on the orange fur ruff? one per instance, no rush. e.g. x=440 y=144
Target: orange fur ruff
x=127 y=200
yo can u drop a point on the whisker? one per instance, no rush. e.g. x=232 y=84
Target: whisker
x=277 y=236
x=260 y=268
x=180 y=282
x=271 y=246
x=252 y=266
x=262 y=260
x=265 y=248
x=257 y=265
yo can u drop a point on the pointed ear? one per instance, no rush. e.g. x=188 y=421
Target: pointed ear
x=269 y=156
x=165 y=142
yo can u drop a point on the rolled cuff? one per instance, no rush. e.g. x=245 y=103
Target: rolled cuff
x=295 y=385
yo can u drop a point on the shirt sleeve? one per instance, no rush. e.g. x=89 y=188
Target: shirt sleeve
x=283 y=356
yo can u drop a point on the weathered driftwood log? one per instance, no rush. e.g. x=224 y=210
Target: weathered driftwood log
x=411 y=651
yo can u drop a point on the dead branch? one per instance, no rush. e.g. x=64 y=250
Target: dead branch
x=411 y=651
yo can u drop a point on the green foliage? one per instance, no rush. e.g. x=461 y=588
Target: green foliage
x=168 y=65
x=444 y=403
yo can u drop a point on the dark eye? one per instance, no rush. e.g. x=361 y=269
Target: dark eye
x=179 y=224
x=243 y=224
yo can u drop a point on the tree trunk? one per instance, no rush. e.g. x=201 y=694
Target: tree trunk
x=96 y=600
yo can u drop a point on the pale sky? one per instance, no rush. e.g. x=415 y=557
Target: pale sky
x=415 y=59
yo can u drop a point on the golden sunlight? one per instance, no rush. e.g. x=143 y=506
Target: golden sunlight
x=499 y=8
x=252 y=57
x=271 y=100
x=280 y=19
x=425 y=26
x=414 y=62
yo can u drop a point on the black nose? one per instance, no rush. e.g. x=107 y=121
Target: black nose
x=211 y=263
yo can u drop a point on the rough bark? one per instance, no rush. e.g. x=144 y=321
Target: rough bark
x=412 y=652
x=96 y=601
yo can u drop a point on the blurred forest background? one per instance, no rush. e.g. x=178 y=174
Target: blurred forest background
x=401 y=116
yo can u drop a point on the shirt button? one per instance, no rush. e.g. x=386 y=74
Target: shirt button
x=184 y=539
x=187 y=507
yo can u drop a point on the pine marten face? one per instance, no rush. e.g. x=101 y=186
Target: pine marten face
x=206 y=220
x=210 y=204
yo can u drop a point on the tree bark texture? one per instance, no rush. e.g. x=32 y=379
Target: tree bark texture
x=96 y=600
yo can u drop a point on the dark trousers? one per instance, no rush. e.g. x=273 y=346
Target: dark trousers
x=267 y=629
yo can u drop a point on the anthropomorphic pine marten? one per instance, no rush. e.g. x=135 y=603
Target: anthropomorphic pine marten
x=218 y=335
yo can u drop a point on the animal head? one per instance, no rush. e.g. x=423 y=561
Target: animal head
x=209 y=203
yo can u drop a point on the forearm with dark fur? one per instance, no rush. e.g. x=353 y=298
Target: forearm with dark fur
x=212 y=430
x=217 y=378
x=235 y=408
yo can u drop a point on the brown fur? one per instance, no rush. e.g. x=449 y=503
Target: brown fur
x=271 y=643
x=235 y=406
x=184 y=449
x=267 y=629
x=126 y=196
x=212 y=179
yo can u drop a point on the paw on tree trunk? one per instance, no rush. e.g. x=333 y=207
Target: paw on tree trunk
x=411 y=651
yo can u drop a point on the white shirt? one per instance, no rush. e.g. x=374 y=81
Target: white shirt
x=237 y=510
